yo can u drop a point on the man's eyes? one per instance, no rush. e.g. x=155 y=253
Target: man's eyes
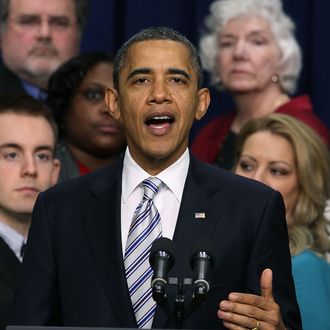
x=59 y=21
x=29 y=21
x=52 y=22
x=178 y=80
x=42 y=156
x=175 y=80
x=11 y=155
x=141 y=80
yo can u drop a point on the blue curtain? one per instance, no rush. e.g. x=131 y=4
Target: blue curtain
x=111 y=22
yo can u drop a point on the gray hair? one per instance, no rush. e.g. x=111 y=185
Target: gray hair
x=156 y=33
x=81 y=8
x=221 y=11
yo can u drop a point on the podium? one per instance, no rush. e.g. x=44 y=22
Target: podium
x=23 y=327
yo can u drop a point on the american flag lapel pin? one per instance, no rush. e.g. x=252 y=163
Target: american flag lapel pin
x=200 y=215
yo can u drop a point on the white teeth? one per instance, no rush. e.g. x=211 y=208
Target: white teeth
x=161 y=118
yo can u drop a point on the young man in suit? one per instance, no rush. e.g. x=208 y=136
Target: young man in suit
x=27 y=166
x=36 y=37
x=79 y=247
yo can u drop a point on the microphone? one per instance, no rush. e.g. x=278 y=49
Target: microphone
x=201 y=261
x=161 y=261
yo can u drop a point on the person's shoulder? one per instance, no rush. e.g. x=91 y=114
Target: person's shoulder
x=207 y=141
x=9 y=82
x=95 y=182
x=212 y=175
x=307 y=267
x=308 y=260
x=217 y=124
x=301 y=108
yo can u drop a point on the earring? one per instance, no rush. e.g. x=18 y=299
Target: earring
x=275 y=78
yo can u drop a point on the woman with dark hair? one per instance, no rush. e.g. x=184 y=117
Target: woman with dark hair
x=89 y=137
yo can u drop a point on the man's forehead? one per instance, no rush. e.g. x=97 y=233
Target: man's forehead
x=39 y=7
x=20 y=124
x=158 y=53
x=155 y=44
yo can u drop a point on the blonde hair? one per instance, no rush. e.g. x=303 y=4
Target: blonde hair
x=221 y=11
x=306 y=224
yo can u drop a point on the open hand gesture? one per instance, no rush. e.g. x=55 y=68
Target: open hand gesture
x=248 y=311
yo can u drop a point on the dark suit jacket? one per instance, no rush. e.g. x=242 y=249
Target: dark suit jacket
x=73 y=267
x=9 y=82
x=10 y=268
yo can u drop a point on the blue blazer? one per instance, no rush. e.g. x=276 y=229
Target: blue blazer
x=73 y=265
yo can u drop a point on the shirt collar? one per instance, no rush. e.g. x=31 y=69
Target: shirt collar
x=34 y=91
x=12 y=238
x=174 y=176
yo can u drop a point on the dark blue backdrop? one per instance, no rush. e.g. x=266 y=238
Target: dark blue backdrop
x=113 y=21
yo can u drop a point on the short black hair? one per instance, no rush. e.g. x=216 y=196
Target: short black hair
x=26 y=105
x=156 y=33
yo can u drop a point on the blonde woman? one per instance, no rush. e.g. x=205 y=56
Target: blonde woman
x=287 y=155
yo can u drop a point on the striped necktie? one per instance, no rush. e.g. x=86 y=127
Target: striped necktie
x=144 y=229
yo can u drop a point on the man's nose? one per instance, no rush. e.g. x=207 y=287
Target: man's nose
x=160 y=92
x=29 y=166
x=44 y=28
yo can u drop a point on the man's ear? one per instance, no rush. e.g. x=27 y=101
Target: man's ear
x=56 y=171
x=203 y=103
x=111 y=99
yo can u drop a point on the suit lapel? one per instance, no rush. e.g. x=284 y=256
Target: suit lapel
x=10 y=266
x=199 y=211
x=199 y=215
x=104 y=239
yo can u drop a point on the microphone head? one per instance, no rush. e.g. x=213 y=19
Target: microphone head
x=202 y=247
x=164 y=246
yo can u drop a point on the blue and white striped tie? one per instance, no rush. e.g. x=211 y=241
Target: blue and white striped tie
x=145 y=228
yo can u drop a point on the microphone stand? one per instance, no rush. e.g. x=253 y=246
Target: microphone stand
x=179 y=307
x=161 y=261
x=178 y=315
x=159 y=295
x=199 y=297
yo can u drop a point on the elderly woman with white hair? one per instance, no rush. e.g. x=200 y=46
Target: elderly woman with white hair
x=250 y=50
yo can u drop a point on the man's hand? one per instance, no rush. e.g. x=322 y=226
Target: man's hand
x=248 y=311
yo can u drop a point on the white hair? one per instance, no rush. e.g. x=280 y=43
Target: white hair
x=221 y=11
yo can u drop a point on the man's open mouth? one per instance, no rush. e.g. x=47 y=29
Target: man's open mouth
x=159 y=120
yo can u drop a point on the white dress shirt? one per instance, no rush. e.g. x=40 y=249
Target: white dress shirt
x=167 y=200
x=13 y=239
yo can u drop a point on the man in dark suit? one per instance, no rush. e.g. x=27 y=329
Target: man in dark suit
x=27 y=166
x=9 y=275
x=37 y=36
x=76 y=259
